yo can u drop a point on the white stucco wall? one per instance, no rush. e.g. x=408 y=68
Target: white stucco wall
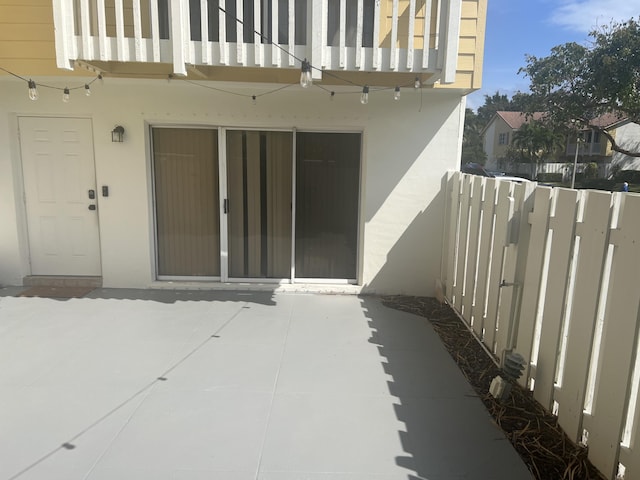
x=628 y=137
x=406 y=153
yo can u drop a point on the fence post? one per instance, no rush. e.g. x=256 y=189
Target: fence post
x=539 y=221
x=619 y=341
x=515 y=266
x=592 y=229
x=504 y=211
x=484 y=254
x=472 y=247
x=562 y=225
x=446 y=186
x=463 y=232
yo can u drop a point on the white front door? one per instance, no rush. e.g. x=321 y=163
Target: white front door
x=59 y=181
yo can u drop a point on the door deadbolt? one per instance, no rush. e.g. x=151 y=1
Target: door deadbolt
x=92 y=194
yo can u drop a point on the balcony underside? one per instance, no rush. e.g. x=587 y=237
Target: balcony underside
x=248 y=74
x=249 y=63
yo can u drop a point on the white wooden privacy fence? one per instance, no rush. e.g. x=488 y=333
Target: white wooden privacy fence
x=554 y=274
x=356 y=35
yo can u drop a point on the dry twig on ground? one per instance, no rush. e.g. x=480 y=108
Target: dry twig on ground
x=534 y=432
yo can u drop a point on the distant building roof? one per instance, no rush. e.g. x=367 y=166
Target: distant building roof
x=608 y=120
x=516 y=119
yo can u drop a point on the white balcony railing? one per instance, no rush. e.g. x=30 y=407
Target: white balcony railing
x=419 y=36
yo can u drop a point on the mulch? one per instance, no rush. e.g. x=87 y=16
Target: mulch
x=534 y=432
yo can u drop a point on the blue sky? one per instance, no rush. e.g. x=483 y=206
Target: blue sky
x=519 y=27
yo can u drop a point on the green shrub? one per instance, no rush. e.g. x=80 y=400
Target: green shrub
x=598 y=184
x=591 y=170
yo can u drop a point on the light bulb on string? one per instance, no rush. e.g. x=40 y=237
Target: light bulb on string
x=87 y=90
x=65 y=95
x=417 y=83
x=396 y=93
x=333 y=94
x=254 y=100
x=33 y=91
x=305 y=74
x=364 y=96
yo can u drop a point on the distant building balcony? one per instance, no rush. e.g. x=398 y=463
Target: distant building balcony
x=406 y=36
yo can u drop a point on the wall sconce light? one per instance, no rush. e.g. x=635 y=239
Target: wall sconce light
x=117 y=134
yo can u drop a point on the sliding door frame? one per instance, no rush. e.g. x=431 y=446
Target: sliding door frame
x=156 y=251
x=332 y=281
x=223 y=216
x=224 y=221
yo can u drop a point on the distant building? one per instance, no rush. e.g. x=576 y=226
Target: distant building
x=498 y=137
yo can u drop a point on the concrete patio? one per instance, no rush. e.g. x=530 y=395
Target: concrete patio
x=190 y=385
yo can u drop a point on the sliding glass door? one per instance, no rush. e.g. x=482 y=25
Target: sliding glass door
x=187 y=202
x=232 y=219
x=259 y=203
x=327 y=193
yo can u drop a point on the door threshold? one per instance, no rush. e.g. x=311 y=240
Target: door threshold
x=336 y=289
x=61 y=281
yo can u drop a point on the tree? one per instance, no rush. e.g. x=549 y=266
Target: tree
x=472 y=142
x=534 y=141
x=499 y=102
x=576 y=84
x=472 y=145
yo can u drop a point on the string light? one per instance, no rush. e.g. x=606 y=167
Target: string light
x=417 y=83
x=34 y=94
x=305 y=74
x=33 y=91
x=364 y=97
x=364 y=93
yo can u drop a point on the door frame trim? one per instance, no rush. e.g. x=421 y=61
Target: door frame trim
x=22 y=214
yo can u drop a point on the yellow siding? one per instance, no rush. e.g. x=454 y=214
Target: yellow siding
x=468 y=45
x=469 y=10
x=27 y=45
x=110 y=13
x=27 y=49
x=466 y=62
x=471 y=36
x=500 y=151
x=468 y=27
x=23 y=31
x=608 y=151
x=471 y=46
x=31 y=12
x=386 y=19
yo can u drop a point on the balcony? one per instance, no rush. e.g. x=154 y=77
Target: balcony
x=188 y=36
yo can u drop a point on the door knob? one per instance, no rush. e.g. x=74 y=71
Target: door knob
x=92 y=207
